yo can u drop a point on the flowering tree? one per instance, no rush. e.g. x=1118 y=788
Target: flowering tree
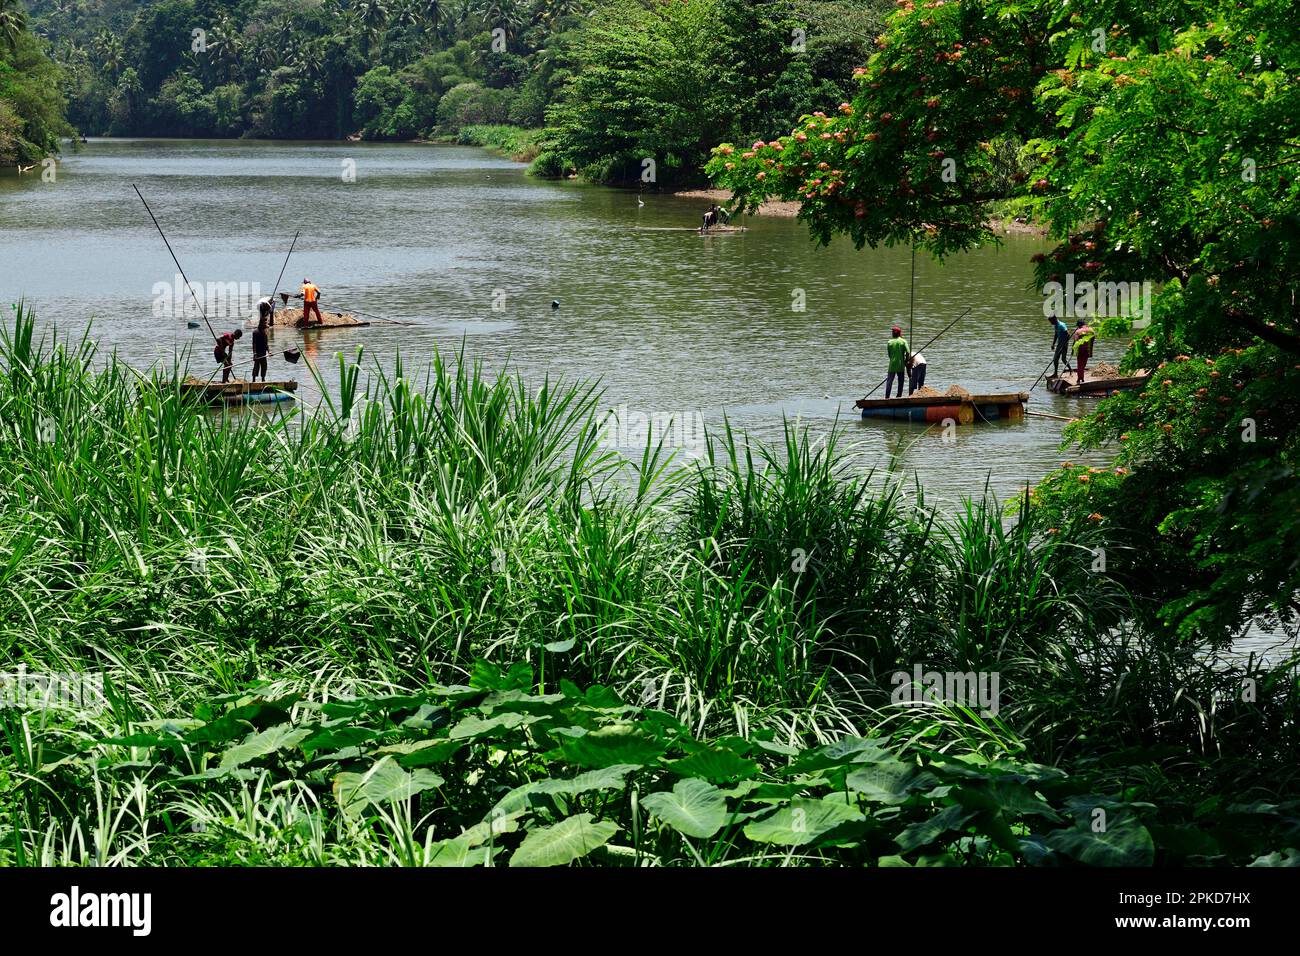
x=1158 y=142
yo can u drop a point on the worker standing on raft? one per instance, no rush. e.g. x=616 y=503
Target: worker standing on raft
x=715 y=216
x=224 y=352
x=260 y=348
x=310 y=295
x=266 y=309
x=1083 y=338
x=916 y=372
x=897 y=348
x=1060 y=343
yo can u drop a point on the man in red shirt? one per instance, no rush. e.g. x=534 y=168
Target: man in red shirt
x=224 y=352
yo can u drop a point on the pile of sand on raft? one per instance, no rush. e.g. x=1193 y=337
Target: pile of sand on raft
x=954 y=391
x=289 y=316
x=191 y=382
x=1094 y=372
x=1102 y=370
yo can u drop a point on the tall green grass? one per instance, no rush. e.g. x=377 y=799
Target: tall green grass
x=409 y=528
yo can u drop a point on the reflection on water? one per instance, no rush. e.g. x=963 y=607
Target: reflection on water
x=463 y=247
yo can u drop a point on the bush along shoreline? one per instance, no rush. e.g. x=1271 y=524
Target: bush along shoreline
x=436 y=621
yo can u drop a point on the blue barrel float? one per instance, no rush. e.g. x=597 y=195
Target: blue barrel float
x=963 y=409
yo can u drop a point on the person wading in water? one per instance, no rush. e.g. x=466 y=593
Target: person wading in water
x=713 y=217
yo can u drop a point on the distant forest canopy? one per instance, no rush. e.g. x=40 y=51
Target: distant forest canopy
x=31 y=102
x=604 y=84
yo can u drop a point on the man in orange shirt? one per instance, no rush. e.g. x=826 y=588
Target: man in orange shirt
x=309 y=295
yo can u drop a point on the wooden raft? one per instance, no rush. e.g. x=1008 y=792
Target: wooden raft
x=1067 y=384
x=237 y=390
x=291 y=318
x=964 y=408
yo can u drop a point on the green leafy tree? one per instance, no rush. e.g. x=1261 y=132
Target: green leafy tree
x=667 y=81
x=641 y=88
x=32 y=105
x=1159 y=144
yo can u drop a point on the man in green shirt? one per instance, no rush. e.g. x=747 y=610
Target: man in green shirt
x=898 y=350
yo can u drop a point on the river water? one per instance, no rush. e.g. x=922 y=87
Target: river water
x=463 y=248
x=462 y=245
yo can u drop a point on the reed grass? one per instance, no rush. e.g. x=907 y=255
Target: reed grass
x=411 y=527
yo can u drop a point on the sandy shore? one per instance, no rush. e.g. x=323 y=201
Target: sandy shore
x=773 y=207
x=776 y=207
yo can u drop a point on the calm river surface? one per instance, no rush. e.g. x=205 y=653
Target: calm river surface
x=671 y=323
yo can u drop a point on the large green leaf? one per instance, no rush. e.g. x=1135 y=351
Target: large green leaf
x=261 y=744
x=1005 y=796
x=695 y=808
x=496 y=824
x=890 y=782
x=928 y=831
x=804 y=821
x=844 y=751
x=382 y=783
x=455 y=852
x=715 y=764
x=422 y=752
x=476 y=728
x=569 y=840
x=612 y=745
x=607 y=778
x=1124 y=842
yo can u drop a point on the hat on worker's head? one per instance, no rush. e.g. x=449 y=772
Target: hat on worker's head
x=896 y=330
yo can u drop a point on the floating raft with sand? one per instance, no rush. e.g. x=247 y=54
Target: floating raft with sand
x=712 y=230
x=1098 y=381
x=292 y=318
x=237 y=391
x=957 y=404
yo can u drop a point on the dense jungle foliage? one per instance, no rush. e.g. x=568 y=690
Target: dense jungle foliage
x=611 y=82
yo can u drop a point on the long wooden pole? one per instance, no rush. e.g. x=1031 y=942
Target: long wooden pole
x=921 y=349
x=202 y=311
x=1044 y=371
x=281 y=275
x=911 y=300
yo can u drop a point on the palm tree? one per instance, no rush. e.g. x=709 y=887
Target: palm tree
x=373 y=15
x=307 y=60
x=225 y=46
x=507 y=14
x=13 y=21
x=549 y=11
x=107 y=47
x=408 y=13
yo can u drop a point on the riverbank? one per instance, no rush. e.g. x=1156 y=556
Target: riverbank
x=1009 y=225
x=774 y=207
